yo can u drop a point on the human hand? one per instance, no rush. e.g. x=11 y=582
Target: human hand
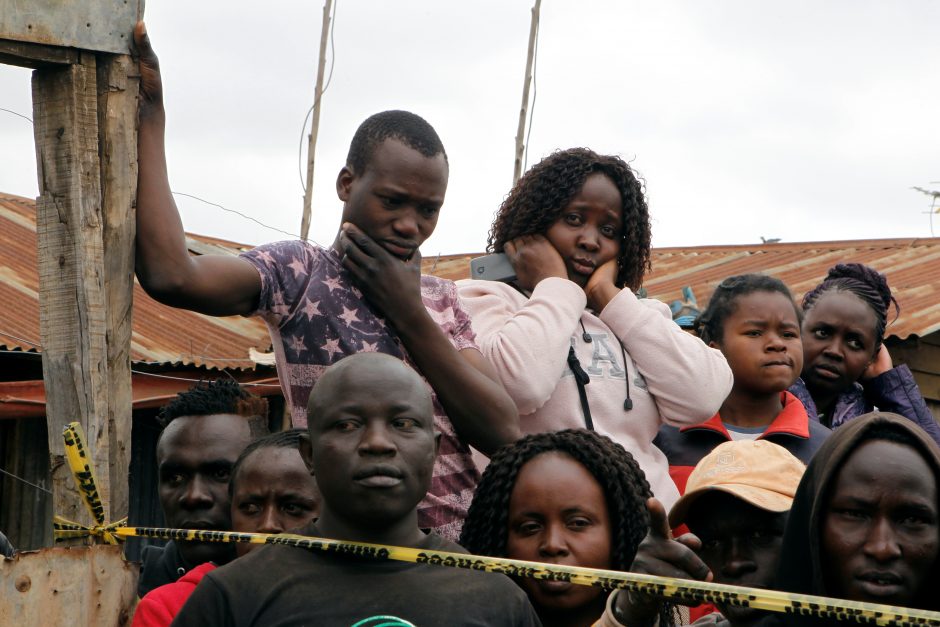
x=151 y=84
x=602 y=286
x=393 y=286
x=659 y=554
x=534 y=258
x=880 y=365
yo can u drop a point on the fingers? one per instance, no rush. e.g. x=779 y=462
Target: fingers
x=659 y=522
x=142 y=43
x=352 y=237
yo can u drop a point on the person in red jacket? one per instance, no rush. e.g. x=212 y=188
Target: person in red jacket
x=754 y=322
x=272 y=492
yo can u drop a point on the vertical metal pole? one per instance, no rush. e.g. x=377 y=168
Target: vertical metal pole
x=315 y=123
x=523 y=111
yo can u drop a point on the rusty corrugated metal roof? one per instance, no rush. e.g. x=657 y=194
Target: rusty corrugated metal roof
x=162 y=334
x=911 y=265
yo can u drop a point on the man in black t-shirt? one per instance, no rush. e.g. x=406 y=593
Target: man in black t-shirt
x=371 y=447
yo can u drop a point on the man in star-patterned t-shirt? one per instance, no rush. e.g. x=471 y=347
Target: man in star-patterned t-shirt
x=316 y=316
x=364 y=293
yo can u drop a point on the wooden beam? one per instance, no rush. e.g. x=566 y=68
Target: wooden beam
x=72 y=319
x=524 y=110
x=35 y=56
x=117 y=127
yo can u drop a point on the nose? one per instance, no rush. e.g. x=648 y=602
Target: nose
x=196 y=495
x=833 y=349
x=589 y=239
x=376 y=441
x=775 y=343
x=881 y=543
x=738 y=560
x=553 y=543
x=270 y=521
x=406 y=225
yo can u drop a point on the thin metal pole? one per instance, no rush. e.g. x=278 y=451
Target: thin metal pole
x=315 y=122
x=520 y=132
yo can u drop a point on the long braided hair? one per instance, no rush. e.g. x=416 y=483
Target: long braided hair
x=486 y=530
x=536 y=201
x=863 y=281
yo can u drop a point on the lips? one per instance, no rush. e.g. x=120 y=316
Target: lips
x=784 y=363
x=826 y=371
x=583 y=265
x=378 y=476
x=200 y=524
x=878 y=584
x=398 y=248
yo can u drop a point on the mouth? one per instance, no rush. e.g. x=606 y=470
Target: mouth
x=878 y=584
x=553 y=588
x=582 y=265
x=400 y=249
x=379 y=476
x=778 y=363
x=826 y=371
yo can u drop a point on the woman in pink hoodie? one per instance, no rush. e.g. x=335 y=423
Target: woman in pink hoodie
x=571 y=342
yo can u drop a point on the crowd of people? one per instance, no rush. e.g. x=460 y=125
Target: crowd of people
x=553 y=417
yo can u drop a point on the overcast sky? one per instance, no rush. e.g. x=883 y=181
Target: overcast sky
x=802 y=120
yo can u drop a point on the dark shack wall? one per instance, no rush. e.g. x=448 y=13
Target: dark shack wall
x=24 y=508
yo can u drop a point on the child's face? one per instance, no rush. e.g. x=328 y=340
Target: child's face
x=589 y=231
x=761 y=341
x=880 y=535
x=838 y=341
x=397 y=199
x=274 y=492
x=558 y=514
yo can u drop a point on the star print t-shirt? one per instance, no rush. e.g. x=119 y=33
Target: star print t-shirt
x=316 y=316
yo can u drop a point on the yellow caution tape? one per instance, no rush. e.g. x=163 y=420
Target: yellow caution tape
x=667 y=587
x=83 y=473
x=679 y=590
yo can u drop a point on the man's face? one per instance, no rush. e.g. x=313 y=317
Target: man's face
x=397 y=198
x=195 y=455
x=740 y=544
x=372 y=446
x=274 y=493
x=880 y=530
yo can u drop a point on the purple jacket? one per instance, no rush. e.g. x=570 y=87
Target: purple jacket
x=893 y=391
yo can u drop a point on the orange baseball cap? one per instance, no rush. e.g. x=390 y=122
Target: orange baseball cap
x=759 y=472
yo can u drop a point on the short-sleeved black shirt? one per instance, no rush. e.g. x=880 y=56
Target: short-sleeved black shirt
x=280 y=586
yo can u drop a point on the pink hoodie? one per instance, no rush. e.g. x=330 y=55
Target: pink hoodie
x=674 y=377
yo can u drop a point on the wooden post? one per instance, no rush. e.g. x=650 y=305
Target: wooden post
x=117 y=128
x=315 y=123
x=85 y=130
x=520 y=131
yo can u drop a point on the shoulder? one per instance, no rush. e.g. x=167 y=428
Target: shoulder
x=283 y=252
x=475 y=288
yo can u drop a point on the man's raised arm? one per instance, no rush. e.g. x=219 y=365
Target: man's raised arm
x=211 y=284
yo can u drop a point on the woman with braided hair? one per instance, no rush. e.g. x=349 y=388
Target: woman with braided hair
x=847 y=370
x=570 y=497
x=570 y=341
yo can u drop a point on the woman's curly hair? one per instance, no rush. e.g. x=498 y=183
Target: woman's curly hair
x=486 y=530
x=536 y=201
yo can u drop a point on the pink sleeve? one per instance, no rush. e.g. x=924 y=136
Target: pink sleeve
x=688 y=379
x=526 y=339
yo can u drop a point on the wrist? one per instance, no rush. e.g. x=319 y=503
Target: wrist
x=601 y=295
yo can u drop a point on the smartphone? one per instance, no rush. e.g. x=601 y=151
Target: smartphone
x=492 y=268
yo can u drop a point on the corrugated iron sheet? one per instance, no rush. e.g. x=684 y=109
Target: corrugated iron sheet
x=162 y=334
x=911 y=265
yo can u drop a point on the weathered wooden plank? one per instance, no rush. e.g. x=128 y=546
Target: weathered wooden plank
x=25 y=54
x=117 y=125
x=98 y=25
x=72 y=317
x=68 y=586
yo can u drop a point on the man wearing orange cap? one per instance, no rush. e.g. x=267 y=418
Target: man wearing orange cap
x=736 y=505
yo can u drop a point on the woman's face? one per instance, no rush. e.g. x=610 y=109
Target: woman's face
x=558 y=514
x=880 y=534
x=590 y=228
x=838 y=342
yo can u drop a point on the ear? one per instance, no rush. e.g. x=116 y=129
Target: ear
x=305 y=446
x=714 y=344
x=344 y=183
